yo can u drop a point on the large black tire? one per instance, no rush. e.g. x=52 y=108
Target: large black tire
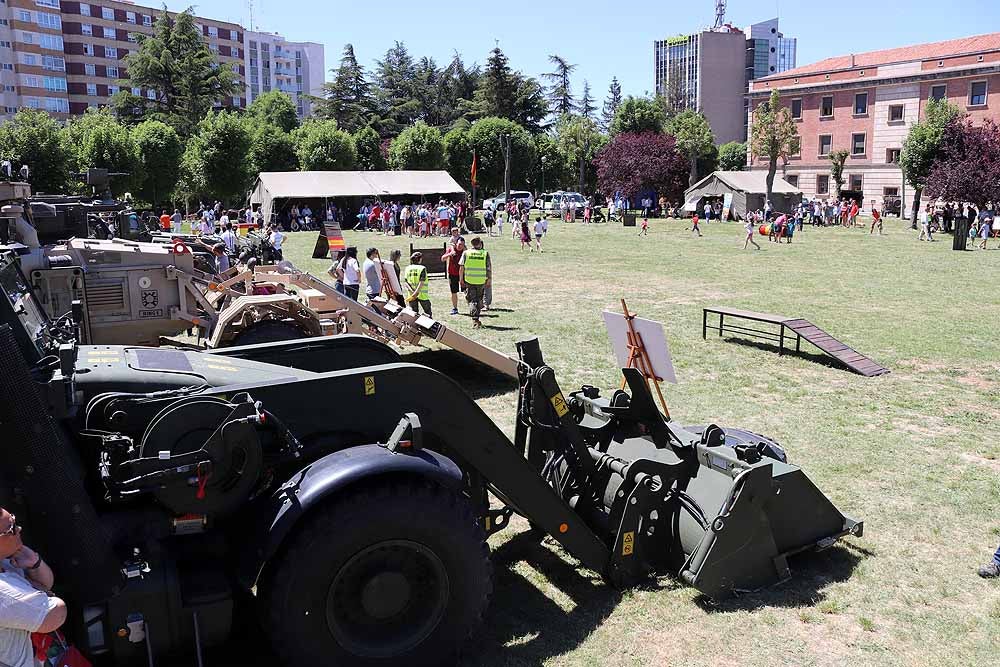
x=394 y=573
x=268 y=331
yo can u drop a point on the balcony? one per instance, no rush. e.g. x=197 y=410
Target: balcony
x=282 y=54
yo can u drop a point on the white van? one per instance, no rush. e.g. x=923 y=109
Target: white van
x=515 y=195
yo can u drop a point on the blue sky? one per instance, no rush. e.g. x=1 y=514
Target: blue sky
x=604 y=38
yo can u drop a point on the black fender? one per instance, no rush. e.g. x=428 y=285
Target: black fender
x=322 y=479
x=320 y=354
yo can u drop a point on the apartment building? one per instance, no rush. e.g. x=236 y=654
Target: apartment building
x=274 y=63
x=65 y=56
x=865 y=103
x=710 y=70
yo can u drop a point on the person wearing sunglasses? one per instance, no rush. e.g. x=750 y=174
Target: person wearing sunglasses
x=26 y=602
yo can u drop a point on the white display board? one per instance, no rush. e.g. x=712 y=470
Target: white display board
x=653 y=339
x=390 y=271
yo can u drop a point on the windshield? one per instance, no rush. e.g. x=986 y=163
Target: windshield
x=20 y=310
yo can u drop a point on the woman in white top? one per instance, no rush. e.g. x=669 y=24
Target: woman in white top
x=352 y=274
x=276 y=238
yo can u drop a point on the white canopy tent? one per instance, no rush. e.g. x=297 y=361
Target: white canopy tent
x=272 y=185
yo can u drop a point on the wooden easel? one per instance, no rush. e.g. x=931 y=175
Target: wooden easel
x=390 y=294
x=638 y=358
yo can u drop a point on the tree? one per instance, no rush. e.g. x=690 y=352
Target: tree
x=368 y=146
x=733 y=156
x=458 y=156
x=396 y=90
x=417 y=147
x=275 y=108
x=484 y=138
x=454 y=90
x=635 y=163
x=637 y=115
x=271 y=149
x=321 y=146
x=160 y=150
x=968 y=163
x=922 y=147
x=587 y=107
x=559 y=170
x=837 y=160
x=176 y=63
x=560 y=95
x=348 y=98
x=97 y=140
x=218 y=159
x=674 y=98
x=694 y=138
x=611 y=104
x=773 y=135
x=503 y=93
x=579 y=140
x=32 y=138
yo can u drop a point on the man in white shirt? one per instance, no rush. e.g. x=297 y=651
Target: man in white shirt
x=175 y=221
x=224 y=220
x=26 y=605
x=229 y=238
x=276 y=238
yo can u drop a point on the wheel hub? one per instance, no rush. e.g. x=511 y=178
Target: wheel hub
x=387 y=598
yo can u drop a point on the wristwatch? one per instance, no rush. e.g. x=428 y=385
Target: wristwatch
x=38 y=563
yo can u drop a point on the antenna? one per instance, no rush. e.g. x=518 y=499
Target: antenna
x=720 y=13
x=250 y=5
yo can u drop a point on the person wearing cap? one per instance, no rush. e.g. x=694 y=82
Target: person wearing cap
x=476 y=273
x=416 y=280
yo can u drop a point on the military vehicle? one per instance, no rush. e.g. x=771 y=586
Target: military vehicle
x=344 y=497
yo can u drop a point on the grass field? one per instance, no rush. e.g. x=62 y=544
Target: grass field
x=913 y=453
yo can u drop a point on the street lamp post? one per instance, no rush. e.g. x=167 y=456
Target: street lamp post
x=542 y=193
x=505 y=143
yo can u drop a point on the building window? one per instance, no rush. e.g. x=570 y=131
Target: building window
x=109 y=33
x=91 y=88
x=56 y=105
x=112 y=90
x=147 y=20
x=5 y=44
x=797 y=109
x=137 y=91
x=236 y=101
x=111 y=52
x=825 y=144
x=88 y=49
x=24 y=15
x=54 y=63
x=856 y=182
x=977 y=94
x=826 y=107
x=8 y=66
x=823 y=184
x=130 y=17
x=86 y=29
x=4 y=22
x=54 y=83
x=890 y=192
x=151 y=94
x=939 y=92
x=112 y=72
x=89 y=69
x=131 y=37
x=107 y=13
x=48 y=3
x=28 y=58
x=47 y=20
x=895 y=113
x=213 y=31
x=84 y=9
x=858 y=143
x=54 y=42
x=253 y=44
x=793 y=179
x=860 y=104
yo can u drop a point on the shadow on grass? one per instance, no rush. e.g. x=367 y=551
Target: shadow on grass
x=815 y=357
x=811 y=574
x=477 y=379
x=523 y=625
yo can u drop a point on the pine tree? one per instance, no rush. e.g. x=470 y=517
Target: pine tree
x=347 y=99
x=587 y=107
x=560 y=94
x=497 y=89
x=396 y=90
x=611 y=104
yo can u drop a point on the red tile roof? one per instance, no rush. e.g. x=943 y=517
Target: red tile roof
x=951 y=47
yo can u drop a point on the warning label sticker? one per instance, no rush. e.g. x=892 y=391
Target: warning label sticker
x=559 y=403
x=369 y=385
x=628 y=543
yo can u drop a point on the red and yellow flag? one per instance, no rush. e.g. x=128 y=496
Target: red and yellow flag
x=475 y=165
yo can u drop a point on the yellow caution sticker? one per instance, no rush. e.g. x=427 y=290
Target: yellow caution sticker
x=559 y=403
x=369 y=385
x=628 y=543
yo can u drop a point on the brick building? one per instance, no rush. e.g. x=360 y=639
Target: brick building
x=865 y=103
x=65 y=56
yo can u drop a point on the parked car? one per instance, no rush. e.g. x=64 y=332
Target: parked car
x=551 y=202
x=515 y=195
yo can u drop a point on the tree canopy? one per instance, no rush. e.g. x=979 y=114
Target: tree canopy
x=484 y=139
x=637 y=115
x=275 y=108
x=417 y=147
x=560 y=92
x=219 y=154
x=967 y=167
x=634 y=163
x=922 y=146
x=694 y=138
x=160 y=149
x=611 y=104
x=732 y=156
x=774 y=135
x=33 y=138
x=321 y=146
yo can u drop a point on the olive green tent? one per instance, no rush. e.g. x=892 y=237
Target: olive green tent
x=748 y=189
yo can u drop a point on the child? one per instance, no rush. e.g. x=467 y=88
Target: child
x=645 y=227
x=876 y=220
x=694 y=224
x=539 y=232
x=500 y=217
x=525 y=236
x=748 y=227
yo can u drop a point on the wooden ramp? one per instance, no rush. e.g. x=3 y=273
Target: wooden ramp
x=802 y=330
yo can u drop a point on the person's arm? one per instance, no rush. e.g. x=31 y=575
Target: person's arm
x=35 y=569
x=489 y=271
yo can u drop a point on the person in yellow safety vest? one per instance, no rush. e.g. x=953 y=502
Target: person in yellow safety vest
x=475 y=275
x=416 y=280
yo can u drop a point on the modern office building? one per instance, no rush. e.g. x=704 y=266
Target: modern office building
x=865 y=103
x=706 y=71
x=295 y=68
x=768 y=50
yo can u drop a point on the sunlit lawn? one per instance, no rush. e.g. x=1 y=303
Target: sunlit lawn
x=913 y=453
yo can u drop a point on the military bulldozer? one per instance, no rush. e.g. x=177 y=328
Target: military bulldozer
x=349 y=506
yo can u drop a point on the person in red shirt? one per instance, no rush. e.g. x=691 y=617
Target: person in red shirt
x=165 y=221
x=854 y=213
x=452 y=256
x=876 y=220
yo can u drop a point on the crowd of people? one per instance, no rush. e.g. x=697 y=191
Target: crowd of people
x=423 y=220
